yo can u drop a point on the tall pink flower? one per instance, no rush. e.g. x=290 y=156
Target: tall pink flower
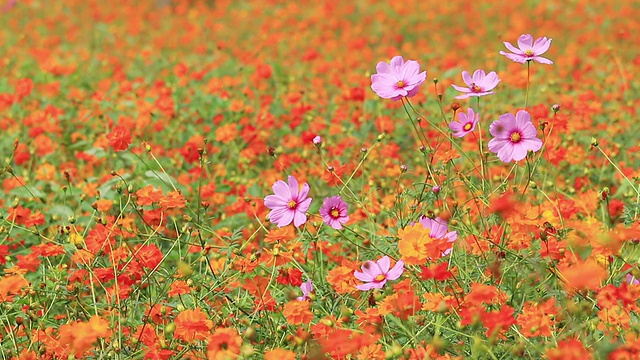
x=397 y=79
x=334 y=212
x=480 y=84
x=439 y=229
x=375 y=274
x=513 y=136
x=289 y=203
x=465 y=124
x=528 y=50
x=307 y=289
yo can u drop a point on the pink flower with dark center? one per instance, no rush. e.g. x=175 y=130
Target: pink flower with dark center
x=465 y=124
x=513 y=136
x=375 y=274
x=397 y=79
x=480 y=84
x=438 y=229
x=307 y=289
x=289 y=203
x=528 y=50
x=334 y=212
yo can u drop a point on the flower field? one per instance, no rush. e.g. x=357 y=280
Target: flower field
x=191 y=179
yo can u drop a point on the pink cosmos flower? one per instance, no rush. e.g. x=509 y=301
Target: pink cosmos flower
x=528 y=50
x=466 y=123
x=397 y=79
x=334 y=212
x=290 y=203
x=438 y=229
x=514 y=136
x=480 y=84
x=307 y=289
x=376 y=274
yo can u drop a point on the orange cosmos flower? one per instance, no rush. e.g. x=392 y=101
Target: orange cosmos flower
x=297 y=312
x=192 y=325
x=119 y=138
x=279 y=354
x=224 y=344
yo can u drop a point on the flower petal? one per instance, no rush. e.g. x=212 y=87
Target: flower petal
x=384 y=263
x=363 y=276
x=525 y=42
x=396 y=271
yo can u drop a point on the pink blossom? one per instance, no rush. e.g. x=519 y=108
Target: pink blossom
x=289 y=203
x=528 y=50
x=334 y=212
x=375 y=274
x=480 y=84
x=397 y=79
x=307 y=289
x=438 y=229
x=466 y=123
x=514 y=136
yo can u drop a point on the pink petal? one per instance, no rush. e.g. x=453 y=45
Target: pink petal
x=506 y=153
x=464 y=96
x=363 y=276
x=304 y=191
x=299 y=218
x=396 y=271
x=294 y=187
x=281 y=189
x=397 y=62
x=461 y=89
x=519 y=152
x=478 y=77
x=512 y=48
x=525 y=41
x=532 y=144
x=522 y=119
x=383 y=68
x=542 y=60
x=371 y=268
x=513 y=57
x=541 y=46
x=285 y=219
x=466 y=78
x=367 y=286
x=384 y=263
x=275 y=201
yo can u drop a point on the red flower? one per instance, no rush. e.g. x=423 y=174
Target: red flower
x=119 y=138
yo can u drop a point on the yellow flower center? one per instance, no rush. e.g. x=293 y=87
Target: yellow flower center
x=467 y=127
x=292 y=204
x=529 y=53
x=335 y=213
x=475 y=88
x=400 y=84
x=515 y=137
x=379 y=278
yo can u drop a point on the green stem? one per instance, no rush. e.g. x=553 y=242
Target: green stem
x=526 y=98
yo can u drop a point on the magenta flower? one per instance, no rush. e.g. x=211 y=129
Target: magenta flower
x=480 y=84
x=438 y=229
x=528 y=50
x=466 y=123
x=290 y=203
x=376 y=274
x=397 y=79
x=514 y=136
x=334 y=212
x=307 y=289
